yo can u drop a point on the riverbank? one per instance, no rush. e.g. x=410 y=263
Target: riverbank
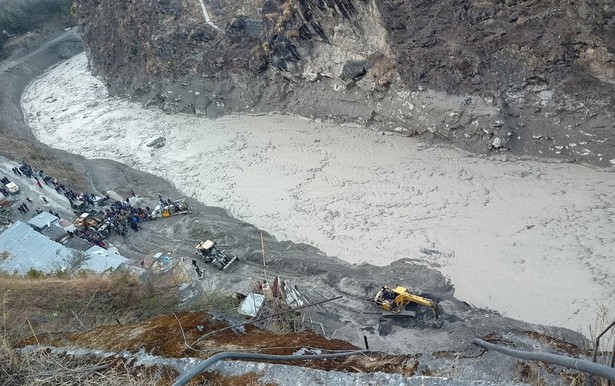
x=511 y=236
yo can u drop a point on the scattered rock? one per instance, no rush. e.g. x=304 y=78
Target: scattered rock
x=158 y=143
x=354 y=70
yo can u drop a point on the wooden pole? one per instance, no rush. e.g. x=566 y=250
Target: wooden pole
x=264 y=260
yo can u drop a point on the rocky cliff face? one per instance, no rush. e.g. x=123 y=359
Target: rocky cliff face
x=527 y=77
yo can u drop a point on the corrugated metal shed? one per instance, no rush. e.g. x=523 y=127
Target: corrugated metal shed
x=27 y=249
x=103 y=259
x=42 y=220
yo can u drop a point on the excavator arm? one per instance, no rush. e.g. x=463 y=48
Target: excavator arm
x=404 y=298
x=396 y=300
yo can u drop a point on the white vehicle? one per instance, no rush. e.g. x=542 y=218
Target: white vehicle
x=12 y=188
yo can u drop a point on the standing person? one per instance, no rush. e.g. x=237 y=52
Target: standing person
x=25 y=207
x=198 y=269
x=44 y=199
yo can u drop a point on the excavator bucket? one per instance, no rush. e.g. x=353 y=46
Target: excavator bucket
x=229 y=263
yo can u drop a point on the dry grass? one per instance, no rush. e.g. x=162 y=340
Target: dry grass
x=42 y=368
x=605 y=352
x=36 y=308
x=33 y=307
x=602 y=320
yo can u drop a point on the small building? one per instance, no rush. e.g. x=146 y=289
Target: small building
x=23 y=249
x=43 y=220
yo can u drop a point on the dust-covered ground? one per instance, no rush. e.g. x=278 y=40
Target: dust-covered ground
x=531 y=240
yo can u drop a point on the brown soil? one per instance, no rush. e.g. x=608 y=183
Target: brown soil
x=176 y=335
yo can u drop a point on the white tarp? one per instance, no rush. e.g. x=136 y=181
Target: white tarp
x=251 y=304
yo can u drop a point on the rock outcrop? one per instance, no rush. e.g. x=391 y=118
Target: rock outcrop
x=529 y=77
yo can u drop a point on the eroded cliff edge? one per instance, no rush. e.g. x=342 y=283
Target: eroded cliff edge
x=532 y=78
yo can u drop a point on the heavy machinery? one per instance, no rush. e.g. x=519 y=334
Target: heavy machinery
x=396 y=300
x=171 y=208
x=213 y=255
x=89 y=219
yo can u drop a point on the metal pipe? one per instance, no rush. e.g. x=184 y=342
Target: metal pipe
x=184 y=379
x=573 y=363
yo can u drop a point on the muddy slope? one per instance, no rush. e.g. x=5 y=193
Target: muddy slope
x=529 y=77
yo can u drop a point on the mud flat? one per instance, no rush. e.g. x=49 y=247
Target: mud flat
x=534 y=241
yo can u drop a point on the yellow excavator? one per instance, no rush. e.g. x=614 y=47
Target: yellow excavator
x=396 y=300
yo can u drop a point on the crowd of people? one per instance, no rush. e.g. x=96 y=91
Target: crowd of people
x=117 y=218
x=121 y=215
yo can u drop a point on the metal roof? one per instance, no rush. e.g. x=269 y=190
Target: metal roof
x=55 y=233
x=103 y=259
x=42 y=220
x=78 y=244
x=27 y=249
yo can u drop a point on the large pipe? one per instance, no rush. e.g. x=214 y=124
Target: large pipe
x=572 y=363
x=262 y=357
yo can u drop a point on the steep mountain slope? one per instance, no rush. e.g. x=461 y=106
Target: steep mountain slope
x=531 y=77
